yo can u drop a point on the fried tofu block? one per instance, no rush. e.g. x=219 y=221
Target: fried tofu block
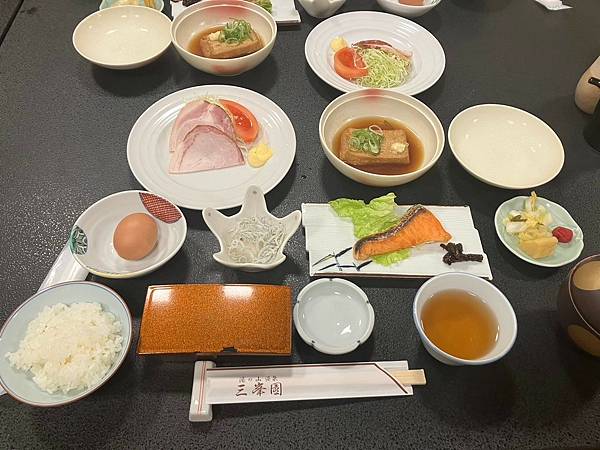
x=394 y=149
x=220 y=50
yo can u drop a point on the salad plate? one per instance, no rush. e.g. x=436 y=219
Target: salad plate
x=331 y=239
x=560 y=217
x=284 y=11
x=426 y=53
x=148 y=151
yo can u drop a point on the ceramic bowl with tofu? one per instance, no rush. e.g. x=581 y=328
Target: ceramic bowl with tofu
x=196 y=34
x=380 y=137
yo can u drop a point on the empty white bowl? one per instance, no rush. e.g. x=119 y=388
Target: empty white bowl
x=254 y=206
x=395 y=7
x=387 y=104
x=91 y=239
x=198 y=18
x=158 y=4
x=505 y=146
x=333 y=315
x=18 y=383
x=321 y=8
x=487 y=292
x=123 y=37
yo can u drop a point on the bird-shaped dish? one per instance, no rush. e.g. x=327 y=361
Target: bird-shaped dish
x=252 y=240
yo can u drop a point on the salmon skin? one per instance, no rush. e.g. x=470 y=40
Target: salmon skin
x=418 y=226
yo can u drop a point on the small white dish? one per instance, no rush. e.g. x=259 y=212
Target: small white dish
x=91 y=239
x=386 y=104
x=564 y=253
x=284 y=11
x=18 y=383
x=487 y=292
x=206 y=14
x=395 y=7
x=254 y=206
x=158 y=4
x=333 y=315
x=505 y=146
x=321 y=8
x=123 y=37
x=428 y=58
x=148 y=151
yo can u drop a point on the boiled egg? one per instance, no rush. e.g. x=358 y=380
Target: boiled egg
x=135 y=236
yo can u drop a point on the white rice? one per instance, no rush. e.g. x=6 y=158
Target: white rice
x=69 y=347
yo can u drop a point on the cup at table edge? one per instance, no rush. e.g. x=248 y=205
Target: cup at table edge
x=487 y=292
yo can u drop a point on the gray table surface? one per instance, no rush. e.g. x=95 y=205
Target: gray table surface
x=63 y=131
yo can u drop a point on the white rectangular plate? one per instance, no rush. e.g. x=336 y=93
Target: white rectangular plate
x=328 y=233
x=284 y=11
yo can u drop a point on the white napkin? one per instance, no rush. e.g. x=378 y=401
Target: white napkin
x=553 y=5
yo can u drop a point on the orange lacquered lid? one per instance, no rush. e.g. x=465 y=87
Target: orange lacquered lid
x=244 y=319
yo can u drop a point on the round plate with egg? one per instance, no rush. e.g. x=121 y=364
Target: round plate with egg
x=428 y=60
x=127 y=234
x=563 y=254
x=149 y=157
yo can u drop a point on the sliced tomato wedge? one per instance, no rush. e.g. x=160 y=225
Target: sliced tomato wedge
x=245 y=124
x=348 y=64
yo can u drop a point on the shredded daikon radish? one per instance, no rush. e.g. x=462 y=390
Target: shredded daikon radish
x=255 y=240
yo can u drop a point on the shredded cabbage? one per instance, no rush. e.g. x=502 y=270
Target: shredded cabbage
x=385 y=70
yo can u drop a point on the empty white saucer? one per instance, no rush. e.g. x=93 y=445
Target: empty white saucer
x=333 y=315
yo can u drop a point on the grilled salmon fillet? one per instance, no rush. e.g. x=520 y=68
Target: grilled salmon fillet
x=418 y=226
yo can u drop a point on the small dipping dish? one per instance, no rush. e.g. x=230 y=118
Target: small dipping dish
x=333 y=315
x=487 y=292
x=404 y=10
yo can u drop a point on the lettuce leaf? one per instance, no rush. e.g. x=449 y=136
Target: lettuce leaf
x=371 y=218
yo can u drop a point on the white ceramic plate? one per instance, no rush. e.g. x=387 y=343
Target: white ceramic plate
x=564 y=253
x=333 y=315
x=428 y=58
x=148 y=151
x=123 y=37
x=505 y=146
x=18 y=383
x=284 y=11
x=327 y=233
x=91 y=239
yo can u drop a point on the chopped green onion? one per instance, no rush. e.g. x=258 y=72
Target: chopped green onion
x=367 y=140
x=235 y=32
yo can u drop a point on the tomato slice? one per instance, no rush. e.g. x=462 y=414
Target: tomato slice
x=348 y=64
x=245 y=124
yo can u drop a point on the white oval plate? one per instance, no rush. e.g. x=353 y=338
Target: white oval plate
x=148 y=151
x=505 y=146
x=428 y=58
x=564 y=253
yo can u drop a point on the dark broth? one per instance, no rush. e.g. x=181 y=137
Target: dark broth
x=194 y=46
x=460 y=323
x=415 y=146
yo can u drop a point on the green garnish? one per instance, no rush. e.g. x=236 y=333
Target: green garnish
x=385 y=70
x=235 y=32
x=366 y=140
x=265 y=4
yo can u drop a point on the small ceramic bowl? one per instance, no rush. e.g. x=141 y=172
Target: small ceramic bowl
x=18 y=383
x=210 y=13
x=333 y=315
x=321 y=8
x=505 y=146
x=564 y=253
x=395 y=7
x=123 y=37
x=157 y=4
x=254 y=206
x=486 y=291
x=91 y=239
x=579 y=305
x=386 y=104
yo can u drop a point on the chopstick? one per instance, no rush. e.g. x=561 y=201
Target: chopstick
x=414 y=377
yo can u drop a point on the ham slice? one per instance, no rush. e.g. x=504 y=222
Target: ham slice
x=382 y=45
x=199 y=112
x=205 y=147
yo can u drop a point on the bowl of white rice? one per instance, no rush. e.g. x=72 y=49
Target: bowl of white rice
x=64 y=343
